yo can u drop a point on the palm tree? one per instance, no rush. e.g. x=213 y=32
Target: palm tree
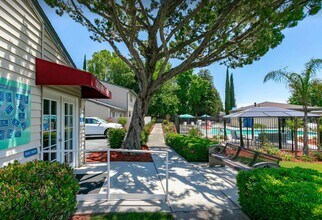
x=299 y=83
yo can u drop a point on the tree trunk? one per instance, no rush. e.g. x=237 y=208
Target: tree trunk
x=305 y=136
x=133 y=137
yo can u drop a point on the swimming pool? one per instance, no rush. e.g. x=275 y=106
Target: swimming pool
x=220 y=131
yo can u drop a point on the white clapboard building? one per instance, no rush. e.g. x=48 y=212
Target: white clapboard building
x=41 y=92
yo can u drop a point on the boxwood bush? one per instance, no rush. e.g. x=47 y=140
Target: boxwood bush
x=37 y=190
x=122 y=121
x=116 y=137
x=284 y=193
x=193 y=149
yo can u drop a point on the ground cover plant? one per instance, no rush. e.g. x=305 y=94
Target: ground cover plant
x=193 y=149
x=37 y=190
x=284 y=193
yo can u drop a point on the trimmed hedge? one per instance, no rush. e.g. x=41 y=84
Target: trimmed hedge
x=193 y=149
x=116 y=137
x=122 y=121
x=37 y=190
x=284 y=193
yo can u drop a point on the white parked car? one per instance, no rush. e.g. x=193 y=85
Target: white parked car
x=95 y=126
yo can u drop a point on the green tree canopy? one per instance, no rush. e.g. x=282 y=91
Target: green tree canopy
x=210 y=102
x=165 y=101
x=109 y=67
x=195 y=32
x=197 y=94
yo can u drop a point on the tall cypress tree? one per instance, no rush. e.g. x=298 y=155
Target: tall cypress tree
x=227 y=94
x=232 y=93
x=84 y=63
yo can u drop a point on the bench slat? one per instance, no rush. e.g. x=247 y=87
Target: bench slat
x=230 y=154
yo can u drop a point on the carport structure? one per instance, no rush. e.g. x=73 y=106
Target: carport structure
x=276 y=125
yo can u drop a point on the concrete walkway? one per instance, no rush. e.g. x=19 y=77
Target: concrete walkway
x=195 y=190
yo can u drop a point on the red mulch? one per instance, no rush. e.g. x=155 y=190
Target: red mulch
x=120 y=156
x=81 y=217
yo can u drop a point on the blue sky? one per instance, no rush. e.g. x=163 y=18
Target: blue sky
x=299 y=45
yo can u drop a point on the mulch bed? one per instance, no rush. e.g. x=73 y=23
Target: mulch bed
x=120 y=156
x=81 y=217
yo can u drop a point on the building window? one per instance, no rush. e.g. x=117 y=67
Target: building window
x=129 y=113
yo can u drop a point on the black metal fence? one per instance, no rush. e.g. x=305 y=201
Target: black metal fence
x=284 y=133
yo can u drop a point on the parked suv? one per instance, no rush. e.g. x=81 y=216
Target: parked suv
x=95 y=126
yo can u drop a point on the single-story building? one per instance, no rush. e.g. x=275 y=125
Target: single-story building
x=42 y=94
x=121 y=105
x=278 y=105
x=270 y=122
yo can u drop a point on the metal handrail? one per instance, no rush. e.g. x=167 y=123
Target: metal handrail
x=108 y=150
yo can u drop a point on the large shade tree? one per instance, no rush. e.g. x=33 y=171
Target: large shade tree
x=195 y=32
x=300 y=84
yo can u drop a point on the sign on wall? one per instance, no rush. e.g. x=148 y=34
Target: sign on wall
x=14 y=113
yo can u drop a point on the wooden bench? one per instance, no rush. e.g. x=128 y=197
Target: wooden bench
x=240 y=158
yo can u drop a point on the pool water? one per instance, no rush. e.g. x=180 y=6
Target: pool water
x=220 y=131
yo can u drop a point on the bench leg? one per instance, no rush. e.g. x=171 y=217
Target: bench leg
x=213 y=162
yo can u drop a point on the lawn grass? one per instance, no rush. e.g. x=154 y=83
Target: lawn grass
x=289 y=164
x=134 y=216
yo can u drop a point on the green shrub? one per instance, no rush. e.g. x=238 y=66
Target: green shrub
x=286 y=156
x=37 y=190
x=168 y=128
x=318 y=155
x=307 y=158
x=271 y=149
x=122 y=121
x=116 y=137
x=193 y=149
x=284 y=193
x=146 y=132
x=194 y=132
x=165 y=122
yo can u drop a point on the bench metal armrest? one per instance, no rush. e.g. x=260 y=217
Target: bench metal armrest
x=266 y=165
x=216 y=149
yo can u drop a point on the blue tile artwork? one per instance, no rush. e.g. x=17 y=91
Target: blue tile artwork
x=15 y=113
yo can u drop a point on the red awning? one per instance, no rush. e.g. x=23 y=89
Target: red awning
x=49 y=73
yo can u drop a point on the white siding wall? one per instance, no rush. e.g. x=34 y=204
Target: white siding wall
x=119 y=96
x=130 y=103
x=96 y=110
x=21 y=32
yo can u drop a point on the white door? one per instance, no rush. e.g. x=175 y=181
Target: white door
x=69 y=134
x=51 y=130
x=59 y=129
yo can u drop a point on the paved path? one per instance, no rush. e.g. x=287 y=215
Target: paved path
x=195 y=190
